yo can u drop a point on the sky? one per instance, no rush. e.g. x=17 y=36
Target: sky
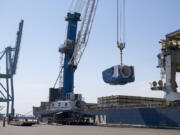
x=147 y=21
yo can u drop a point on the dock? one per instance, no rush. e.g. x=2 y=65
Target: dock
x=82 y=130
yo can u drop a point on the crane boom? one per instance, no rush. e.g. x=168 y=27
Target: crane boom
x=84 y=32
x=17 y=46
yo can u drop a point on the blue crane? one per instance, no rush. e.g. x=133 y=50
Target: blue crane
x=69 y=70
x=10 y=54
x=75 y=44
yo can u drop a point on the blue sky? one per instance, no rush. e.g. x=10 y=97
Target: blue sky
x=147 y=22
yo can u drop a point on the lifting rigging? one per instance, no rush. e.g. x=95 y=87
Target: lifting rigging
x=120 y=74
x=121 y=29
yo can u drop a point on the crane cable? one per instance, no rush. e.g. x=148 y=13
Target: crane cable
x=60 y=75
x=76 y=6
x=121 y=30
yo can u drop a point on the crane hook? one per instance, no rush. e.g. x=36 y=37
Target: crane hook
x=121 y=46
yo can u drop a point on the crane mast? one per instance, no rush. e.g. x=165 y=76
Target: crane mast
x=75 y=44
x=68 y=74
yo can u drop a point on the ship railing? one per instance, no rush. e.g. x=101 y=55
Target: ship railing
x=125 y=106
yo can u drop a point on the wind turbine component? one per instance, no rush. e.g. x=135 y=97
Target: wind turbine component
x=120 y=74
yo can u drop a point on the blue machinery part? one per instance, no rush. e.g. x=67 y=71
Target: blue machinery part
x=119 y=75
x=68 y=75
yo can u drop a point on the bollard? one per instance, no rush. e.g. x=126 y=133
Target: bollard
x=4 y=122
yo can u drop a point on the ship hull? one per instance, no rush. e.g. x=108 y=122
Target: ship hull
x=138 y=116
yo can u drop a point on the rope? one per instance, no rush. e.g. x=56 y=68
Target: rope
x=124 y=21
x=71 y=5
x=78 y=6
x=117 y=22
x=121 y=24
x=121 y=28
x=60 y=72
x=121 y=21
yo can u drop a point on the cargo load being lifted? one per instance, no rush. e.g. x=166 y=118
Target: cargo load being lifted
x=119 y=74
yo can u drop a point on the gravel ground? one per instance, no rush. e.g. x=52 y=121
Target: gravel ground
x=82 y=130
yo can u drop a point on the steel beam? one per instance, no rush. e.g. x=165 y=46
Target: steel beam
x=10 y=54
